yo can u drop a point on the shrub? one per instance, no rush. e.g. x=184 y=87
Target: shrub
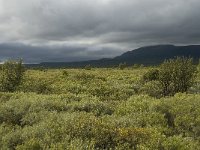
x=88 y=67
x=37 y=85
x=84 y=76
x=176 y=75
x=31 y=145
x=136 y=66
x=152 y=88
x=141 y=66
x=178 y=142
x=122 y=65
x=97 y=108
x=151 y=75
x=65 y=73
x=11 y=76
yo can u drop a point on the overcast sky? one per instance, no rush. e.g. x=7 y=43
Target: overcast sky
x=73 y=30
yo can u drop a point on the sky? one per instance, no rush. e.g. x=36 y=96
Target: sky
x=76 y=30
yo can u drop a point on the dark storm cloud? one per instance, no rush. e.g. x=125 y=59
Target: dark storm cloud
x=33 y=54
x=93 y=29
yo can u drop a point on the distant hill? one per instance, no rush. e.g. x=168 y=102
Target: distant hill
x=149 y=55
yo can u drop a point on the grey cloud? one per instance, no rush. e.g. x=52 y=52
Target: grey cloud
x=42 y=53
x=95 y=28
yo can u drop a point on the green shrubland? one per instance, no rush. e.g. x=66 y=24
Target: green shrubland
x=101 y=109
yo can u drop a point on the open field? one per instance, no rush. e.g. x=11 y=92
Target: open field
x=97 y=109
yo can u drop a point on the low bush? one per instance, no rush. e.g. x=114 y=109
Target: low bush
x=152 y=88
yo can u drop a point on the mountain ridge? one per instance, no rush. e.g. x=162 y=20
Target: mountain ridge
x=148 y=55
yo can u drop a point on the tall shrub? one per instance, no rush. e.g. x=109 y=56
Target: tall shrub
x=176 y=75
x=11 y=75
